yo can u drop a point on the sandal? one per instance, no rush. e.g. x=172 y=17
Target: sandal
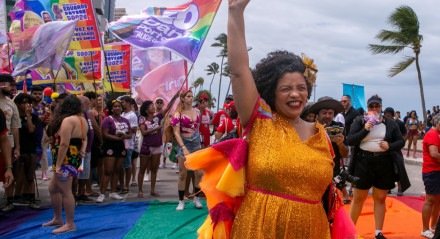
x=124 y=191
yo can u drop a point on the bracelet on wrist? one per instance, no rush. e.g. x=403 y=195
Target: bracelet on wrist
x=9 y=167
x=183 y=146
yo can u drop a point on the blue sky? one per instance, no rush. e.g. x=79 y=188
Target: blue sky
x=336 y=34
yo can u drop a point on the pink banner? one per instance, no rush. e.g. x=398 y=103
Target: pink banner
x=163 y=81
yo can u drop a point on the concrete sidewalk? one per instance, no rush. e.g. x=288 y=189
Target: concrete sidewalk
x=418 y=160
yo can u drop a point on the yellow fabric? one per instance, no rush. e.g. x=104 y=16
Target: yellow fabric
x=232 y=182
x=279 y=161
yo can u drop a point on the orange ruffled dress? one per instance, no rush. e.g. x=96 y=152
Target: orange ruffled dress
x=283 y=182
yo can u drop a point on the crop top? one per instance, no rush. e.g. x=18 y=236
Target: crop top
x=186 y=123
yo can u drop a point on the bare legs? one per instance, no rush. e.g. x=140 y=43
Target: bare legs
x=150 y=162
x=379 y=197
x=153 y=165
x=62 y=197
x=412 y=141
x=143 y=163
x=111 y=172
x=430 y=211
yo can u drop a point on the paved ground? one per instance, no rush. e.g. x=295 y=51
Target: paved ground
x=167 y=185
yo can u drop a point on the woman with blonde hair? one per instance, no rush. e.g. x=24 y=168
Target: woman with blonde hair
x=186 y=123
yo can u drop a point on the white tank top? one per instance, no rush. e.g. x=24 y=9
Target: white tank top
x=371 y=142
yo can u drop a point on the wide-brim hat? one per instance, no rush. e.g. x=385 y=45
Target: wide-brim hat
x=327 y=102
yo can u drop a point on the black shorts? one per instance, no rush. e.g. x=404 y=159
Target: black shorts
x=431 y=181
x=374 y=171
x=114 y=149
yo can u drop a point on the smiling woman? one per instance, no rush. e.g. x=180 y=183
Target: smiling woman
x=283 y=193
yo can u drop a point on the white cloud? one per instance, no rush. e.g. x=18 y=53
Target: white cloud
x=336 y=34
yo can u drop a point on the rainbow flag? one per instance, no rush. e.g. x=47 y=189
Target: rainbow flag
x=29 y=13
x=182 y=29
x=118 y=58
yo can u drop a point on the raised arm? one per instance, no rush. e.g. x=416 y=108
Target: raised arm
x=243 y=85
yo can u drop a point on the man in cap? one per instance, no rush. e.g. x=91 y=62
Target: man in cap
x=221 y=114
x=326 y=108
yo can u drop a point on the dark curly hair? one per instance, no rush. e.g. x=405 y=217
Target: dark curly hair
x=23 y=97
x=71 y=106
x=144 y=107
x=272 y=68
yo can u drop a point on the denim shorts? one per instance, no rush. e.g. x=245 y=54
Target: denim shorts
x=127 y=159
x=191 y=143
x=85 y=173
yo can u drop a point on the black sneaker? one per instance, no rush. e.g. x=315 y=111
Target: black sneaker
x=83 y=199
x=380 y=236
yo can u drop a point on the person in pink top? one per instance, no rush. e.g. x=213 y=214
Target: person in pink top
x=431 y=178
x=186 y=123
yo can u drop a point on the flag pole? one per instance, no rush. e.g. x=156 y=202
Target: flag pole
x=93 y=72
x=107 y=69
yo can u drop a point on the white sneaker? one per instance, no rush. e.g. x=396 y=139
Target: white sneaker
x=161 y=165
x=100 y=198
x=197 y=203
x=116 y=196
x=147 y=178
x=174 y=166
x=427 y=234
x=181 y=206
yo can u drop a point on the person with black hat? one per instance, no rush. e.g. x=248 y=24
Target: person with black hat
x=375 y=139
x=13 y=124
x=326 y=108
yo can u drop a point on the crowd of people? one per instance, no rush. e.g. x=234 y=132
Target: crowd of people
x=92 y=140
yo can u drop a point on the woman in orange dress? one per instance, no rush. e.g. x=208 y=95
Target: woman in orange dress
x=289 y=164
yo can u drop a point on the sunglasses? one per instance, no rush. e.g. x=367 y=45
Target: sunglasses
x=372 y=106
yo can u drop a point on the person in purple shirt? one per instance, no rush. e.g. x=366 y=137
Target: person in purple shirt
x=150 y=124
x=115 y=129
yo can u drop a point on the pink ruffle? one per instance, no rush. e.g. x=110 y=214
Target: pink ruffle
x=221 y=212
x=342 y=227
x=235 y=150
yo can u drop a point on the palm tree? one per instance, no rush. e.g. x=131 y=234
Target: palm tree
x=406 y=35
x=213 y=70
x=222 y=42
x=198 y=83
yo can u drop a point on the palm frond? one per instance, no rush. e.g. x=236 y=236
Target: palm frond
x=392 y=36
x=401 y=66
x=379 y=49
x=405 y=19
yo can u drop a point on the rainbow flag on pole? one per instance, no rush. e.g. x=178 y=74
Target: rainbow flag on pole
x=182 y=29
